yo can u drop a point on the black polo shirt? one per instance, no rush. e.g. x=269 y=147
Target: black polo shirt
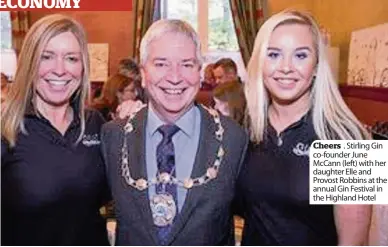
x=52 y=188
x=274 y=190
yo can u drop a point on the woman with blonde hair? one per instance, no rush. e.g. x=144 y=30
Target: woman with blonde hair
x=292 y=100
x=52 y=173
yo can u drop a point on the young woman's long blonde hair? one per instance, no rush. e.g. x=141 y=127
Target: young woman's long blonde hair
x=23 y=91
x=332 y=119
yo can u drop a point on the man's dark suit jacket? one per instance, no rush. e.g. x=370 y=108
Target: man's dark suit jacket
x=206 y=216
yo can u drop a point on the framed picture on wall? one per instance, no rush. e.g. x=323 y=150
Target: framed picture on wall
x=99 y=61
x=368 y=57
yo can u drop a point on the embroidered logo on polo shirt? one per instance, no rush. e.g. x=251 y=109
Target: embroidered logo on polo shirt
x=301 y=149
x=91 y=140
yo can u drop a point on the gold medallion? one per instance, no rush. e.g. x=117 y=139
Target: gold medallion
x=188 y=183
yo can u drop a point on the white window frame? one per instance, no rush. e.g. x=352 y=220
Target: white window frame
x=203 y=24
x=8 y=59
x=203 y=33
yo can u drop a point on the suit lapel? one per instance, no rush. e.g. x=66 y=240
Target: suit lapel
x=206 y=154
x=137 y=166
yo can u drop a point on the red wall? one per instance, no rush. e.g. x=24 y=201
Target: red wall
x=368 y=111
x=367 y=103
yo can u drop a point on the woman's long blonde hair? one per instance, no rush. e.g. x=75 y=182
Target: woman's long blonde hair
x=332 y=119
x=23 y=91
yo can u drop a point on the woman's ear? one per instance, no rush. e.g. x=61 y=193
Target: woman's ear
x=315 y=73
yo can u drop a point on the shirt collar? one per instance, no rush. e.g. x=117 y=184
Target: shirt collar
x=31 y=112
x=305 y=119
x=185 y=123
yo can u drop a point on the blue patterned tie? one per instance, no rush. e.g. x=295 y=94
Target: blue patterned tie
x=165 y=156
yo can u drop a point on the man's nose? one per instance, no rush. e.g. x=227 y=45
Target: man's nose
x=175 y=75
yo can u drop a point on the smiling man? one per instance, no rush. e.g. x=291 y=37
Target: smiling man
x=172 y=164
x=225 y=70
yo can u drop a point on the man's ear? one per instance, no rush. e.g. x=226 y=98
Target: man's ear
x=142 y=72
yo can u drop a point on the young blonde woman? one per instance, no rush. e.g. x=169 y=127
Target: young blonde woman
x=52 y=173
x=293 y=100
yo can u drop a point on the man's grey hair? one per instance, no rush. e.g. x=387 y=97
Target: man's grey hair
x=161 y=27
